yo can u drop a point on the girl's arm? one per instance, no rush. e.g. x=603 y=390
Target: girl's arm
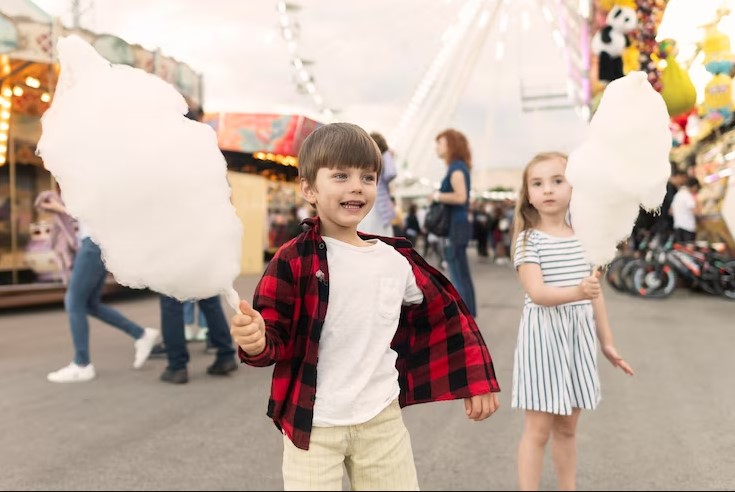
x=459 y=195
x=605 y=335
x=547 y=295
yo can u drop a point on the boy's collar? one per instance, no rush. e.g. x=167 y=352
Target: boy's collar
x=398 y=242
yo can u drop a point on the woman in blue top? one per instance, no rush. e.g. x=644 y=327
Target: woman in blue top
x=452 y=147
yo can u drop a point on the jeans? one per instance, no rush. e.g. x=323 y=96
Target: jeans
x=189 y=308
x=172 y=326
x=83 y=297
x=455 y=254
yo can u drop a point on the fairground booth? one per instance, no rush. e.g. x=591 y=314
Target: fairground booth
x=28 y=75
x=261 y=151
x=685 y=48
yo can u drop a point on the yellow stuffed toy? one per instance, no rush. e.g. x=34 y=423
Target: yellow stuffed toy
x=718 y=60
x=677 y=90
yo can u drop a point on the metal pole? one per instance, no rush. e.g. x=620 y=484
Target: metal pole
x=13 y=203
x=76 y=13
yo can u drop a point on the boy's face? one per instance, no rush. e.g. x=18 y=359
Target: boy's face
x=342 y=197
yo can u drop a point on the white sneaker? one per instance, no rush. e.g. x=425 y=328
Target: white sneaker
x=144 y=345
x=201 y=335
x=72 y=373
x=190 y=332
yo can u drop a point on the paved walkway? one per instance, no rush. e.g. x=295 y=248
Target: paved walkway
x=672 y=427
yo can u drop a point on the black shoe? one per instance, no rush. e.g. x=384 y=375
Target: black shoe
x=222 y=367
x=178 y=376
x=158 y=351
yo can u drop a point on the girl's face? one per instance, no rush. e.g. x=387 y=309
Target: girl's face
x=548 y=189
x=442 y=149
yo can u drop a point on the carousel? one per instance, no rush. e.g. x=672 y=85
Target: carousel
x=30 y=270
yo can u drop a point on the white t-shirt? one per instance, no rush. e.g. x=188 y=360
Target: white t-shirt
x=356 y=373
x=682 y=209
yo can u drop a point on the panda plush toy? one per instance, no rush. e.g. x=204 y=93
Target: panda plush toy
x=609 y=42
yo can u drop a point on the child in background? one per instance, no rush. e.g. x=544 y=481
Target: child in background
x=564 y=318
x=357 y=326
x=194 y=331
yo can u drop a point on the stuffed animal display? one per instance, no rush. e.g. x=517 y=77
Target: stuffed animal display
x=610 y=42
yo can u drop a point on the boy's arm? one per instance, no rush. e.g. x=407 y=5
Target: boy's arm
x=604 y=335
x=545 y=295
x=274 y=301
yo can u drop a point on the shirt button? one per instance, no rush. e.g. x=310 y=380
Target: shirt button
x=321 y=245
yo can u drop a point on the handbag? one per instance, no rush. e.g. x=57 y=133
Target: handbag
x=437 y=219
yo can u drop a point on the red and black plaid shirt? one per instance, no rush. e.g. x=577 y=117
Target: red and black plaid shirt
x=441 y=353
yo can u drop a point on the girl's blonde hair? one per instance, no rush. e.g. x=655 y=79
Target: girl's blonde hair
x=526 y=216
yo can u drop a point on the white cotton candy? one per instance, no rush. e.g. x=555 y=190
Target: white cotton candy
x=623 y=163
x=149 y=184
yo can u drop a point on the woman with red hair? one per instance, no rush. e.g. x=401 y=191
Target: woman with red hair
x=453 y=148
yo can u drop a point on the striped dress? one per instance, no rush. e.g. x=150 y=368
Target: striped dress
x=555 y=361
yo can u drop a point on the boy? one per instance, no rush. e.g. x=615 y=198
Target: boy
x=685 y=208
x=358 y=326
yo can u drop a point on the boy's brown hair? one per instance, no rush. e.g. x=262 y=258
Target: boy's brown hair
x=341 y=146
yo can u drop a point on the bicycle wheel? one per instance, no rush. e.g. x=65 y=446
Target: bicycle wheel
x=654 y=281
x=613 y=273
x=727 y=280
x=626 y=275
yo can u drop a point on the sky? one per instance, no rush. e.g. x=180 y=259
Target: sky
x=367 y=59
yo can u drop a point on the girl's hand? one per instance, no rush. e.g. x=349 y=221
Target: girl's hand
x=590 y=286
x=615 y=359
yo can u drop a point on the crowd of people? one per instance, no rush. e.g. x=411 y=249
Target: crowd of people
x=349 y=293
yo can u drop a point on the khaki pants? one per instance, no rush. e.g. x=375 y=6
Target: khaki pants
x=377 y=456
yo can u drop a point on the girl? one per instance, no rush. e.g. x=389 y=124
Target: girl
x=555 y=363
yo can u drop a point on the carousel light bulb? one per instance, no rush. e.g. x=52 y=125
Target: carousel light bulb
x=17 y=91
x=3 y=137
x=7 y=92
x=4 y=126
x=33 y=82
x=45 y=97
x=3 y=149
x=2 y=159
x=4 y=115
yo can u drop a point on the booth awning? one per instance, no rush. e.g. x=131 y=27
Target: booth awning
x=257 y=132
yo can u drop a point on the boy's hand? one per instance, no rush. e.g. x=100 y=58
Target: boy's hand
x=248 y=330
x=480 y=407
x=590 y=286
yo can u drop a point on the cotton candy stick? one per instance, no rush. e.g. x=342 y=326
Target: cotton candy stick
x=149 y=184
x=622 y=164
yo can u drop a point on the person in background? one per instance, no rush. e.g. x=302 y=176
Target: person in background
x=411 y=225
x=194 y=331
x=84 y=298
x=453 y=148
x=380 y=219
x=685 y=208
x=480 y=225
x=174 y=340
x=398 y=221
x=665 y=221
x=293 y=226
